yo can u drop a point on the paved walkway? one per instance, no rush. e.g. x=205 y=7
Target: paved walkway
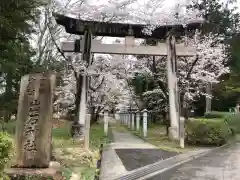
x=222 y=164
x=125 y=140
x=127 y=153
x=112 y=165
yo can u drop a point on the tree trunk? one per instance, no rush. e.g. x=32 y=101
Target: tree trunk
x=167 y=122
x=208 y=99
x=184 y=106
x=93 y=115
x=78 y=95
x=3 y=128
x=8 y=96
x=7 y=115
x=94 y=118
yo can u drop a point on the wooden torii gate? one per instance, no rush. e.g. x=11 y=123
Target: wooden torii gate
x=87 y=45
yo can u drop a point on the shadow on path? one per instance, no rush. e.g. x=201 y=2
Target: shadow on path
x=136 y=158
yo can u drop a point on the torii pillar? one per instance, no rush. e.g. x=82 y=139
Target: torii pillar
x=174 y=105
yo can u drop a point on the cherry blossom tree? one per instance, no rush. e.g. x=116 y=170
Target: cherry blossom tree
x=204 y=69
x=108 y=83
x=208 y=65
x=194 y=73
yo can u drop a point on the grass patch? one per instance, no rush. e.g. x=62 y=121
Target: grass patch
x=237 y=138
x=71 y=154
x=97 y=136
x=157 y=136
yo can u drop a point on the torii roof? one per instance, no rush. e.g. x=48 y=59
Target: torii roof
x=76 y=26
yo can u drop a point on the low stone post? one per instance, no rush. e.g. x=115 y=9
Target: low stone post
x=138 y=120
x=144 y=122
x=121 y=118
x=129 y=120
x=237 y=108
x=126 y=118
x=106 y=122
x=87 y=132
x=133 y=121
x=182 y=131
x=118 y=116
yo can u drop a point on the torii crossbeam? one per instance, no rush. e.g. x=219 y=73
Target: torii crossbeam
x=129 y=48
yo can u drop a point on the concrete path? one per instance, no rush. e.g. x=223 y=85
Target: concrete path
x=222 y=164
x=111 y=165
x=127 y=153
x=125 y=140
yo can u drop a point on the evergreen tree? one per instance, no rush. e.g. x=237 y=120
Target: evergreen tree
x=17 y=19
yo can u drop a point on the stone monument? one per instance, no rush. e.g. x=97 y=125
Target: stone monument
x=34 y=125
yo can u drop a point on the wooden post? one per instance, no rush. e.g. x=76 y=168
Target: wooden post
x=144 y=122
x=138 y=120
x=172 y=86
x=87 y=132
x=133 y=121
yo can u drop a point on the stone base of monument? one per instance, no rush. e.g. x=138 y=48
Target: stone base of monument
x=51 y=173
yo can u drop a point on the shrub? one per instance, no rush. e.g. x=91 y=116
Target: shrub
x=216 y=114
x=207 y=132
x=5 y=148
x=233 y=121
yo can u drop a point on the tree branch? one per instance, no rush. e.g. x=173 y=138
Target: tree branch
x=190 y=71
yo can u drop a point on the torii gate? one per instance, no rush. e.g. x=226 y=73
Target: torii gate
x=87 y=45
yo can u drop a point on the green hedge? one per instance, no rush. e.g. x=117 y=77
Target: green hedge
x=234 y=122
x=207 y=132
x=5 y=148
x=217 y=114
